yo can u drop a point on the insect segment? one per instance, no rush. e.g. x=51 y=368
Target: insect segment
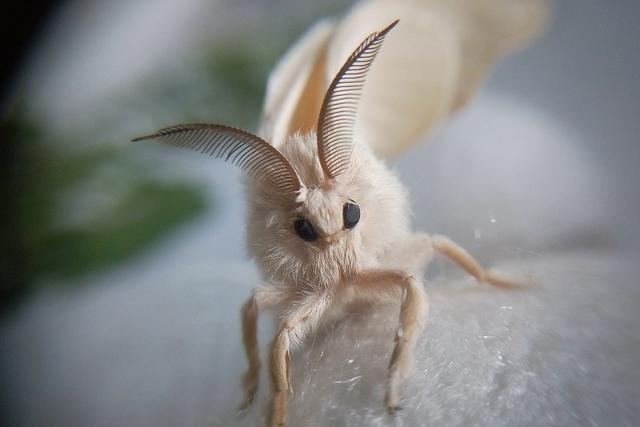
x=328 y=224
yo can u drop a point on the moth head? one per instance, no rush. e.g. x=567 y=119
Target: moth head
x=325 y=212
x=325 y=215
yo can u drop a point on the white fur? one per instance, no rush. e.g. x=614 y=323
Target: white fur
x=316 y=280
x=286 y=260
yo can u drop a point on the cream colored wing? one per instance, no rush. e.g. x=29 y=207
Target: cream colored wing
x=487 y=31
x=296 y=86
x=430 y=65
x=412 y=83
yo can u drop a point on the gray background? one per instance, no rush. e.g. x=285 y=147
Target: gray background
x=538 y=176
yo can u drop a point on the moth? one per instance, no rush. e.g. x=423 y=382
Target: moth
x=328 y=224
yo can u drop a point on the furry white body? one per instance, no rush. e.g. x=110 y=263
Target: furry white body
x=296 y=270
x=287 y=261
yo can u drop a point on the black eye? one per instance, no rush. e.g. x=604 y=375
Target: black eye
x=305 y=230
x=350 y=215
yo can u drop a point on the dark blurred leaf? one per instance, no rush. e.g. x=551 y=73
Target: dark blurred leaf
x=36 y=244
x=140 y=217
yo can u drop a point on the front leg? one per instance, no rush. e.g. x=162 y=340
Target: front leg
x=302 y=318
x=413 y=316
x=260 y=299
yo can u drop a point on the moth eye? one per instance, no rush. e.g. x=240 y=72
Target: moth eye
x=350 y=215
x=305 y=230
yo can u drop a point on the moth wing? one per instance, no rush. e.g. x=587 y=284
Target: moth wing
x=431 y=63
x=296 y=86
x=411 y=84
x=429 y=66
x=489 y=30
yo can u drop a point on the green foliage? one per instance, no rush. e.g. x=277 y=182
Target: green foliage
x=138 y=218
x=71 y=212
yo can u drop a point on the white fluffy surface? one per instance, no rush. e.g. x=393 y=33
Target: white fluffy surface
x=157 y=341
x=562 y=354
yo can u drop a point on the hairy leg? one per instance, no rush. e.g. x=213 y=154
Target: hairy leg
x=260 y=299
x=413 y=253
x=413 y=315
x=302 y=318
x=460 y=256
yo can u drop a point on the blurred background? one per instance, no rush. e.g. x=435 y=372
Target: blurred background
x=123 y=266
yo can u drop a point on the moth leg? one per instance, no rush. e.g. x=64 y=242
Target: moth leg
x=464 y=260
x=260 y=299
x=280 y=376
x=413 y=315
x=291 y=332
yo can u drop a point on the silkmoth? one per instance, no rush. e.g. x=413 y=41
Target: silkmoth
x=328 y=225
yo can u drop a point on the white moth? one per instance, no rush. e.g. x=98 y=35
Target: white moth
x=328 y=221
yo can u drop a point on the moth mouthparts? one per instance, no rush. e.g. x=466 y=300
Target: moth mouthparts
x=333 y=238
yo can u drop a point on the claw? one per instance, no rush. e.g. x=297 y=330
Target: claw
x=250 y=385
x=279 y=409
x=246 y=404
x=393 y=409
x=391 y=401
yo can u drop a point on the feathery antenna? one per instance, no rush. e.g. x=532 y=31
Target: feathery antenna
x=338 y=113
x=249 y=152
